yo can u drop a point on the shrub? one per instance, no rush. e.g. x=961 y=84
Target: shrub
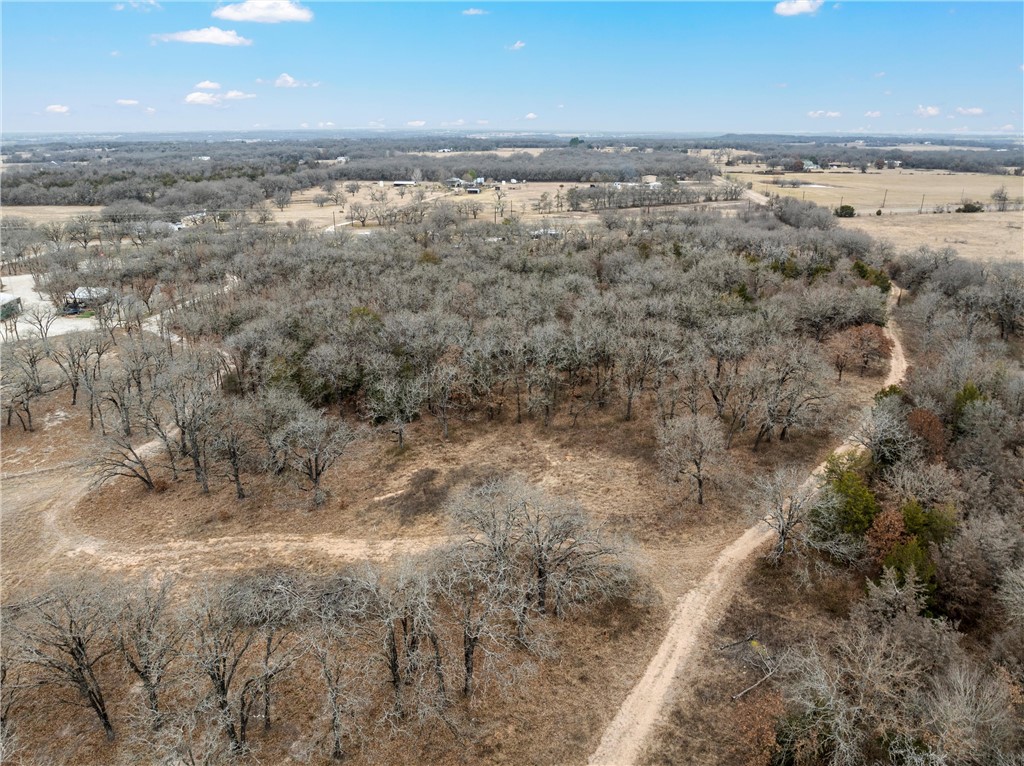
x=971 y=207
x=855 y=504
x=844 y=211
x=912 y=556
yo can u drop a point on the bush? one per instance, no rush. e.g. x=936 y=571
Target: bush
x=971 y=207
x=845 y=211
x=858 y=506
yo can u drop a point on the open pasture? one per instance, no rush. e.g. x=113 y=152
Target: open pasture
x=901 y=190
x=984 y=237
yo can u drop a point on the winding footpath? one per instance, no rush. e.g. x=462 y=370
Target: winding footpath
x=695 y=616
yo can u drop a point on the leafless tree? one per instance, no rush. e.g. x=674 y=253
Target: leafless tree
x=273 y=603
x=1011 y=596
x=41 y=318
x=188 y=387
x=71 y=353
x=329 y=640
x=886 y=433
x=82 y=230
x=314 y=442
x=693 y=446
x=150 y=637
x=65 y=635
x=223 y=648
x=25 y=377
x=479 y=598
x=268 y=413
x=394 y=395
x=120 y=457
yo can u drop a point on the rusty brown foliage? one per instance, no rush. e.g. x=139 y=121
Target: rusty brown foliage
x=886 y=532
x=927 y=427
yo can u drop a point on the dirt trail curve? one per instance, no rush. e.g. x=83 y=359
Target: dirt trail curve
x=695 y=616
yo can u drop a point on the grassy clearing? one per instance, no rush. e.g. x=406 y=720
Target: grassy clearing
x=902 y=190
x=984 y=237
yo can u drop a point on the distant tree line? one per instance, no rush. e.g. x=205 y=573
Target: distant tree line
x=233 y=176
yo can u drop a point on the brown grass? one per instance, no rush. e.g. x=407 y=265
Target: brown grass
x=866 y=191
x=984 y=237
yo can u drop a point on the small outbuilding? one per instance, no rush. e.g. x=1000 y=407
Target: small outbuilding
x=10 y=306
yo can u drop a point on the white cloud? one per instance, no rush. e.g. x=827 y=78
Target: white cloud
x=416 y=123
x=1007 y=127
x=137 y=5
x=879 y=74
x=127 y=102
x=207 y=85
x=872 y=114
x=202 y=99
x=474 y=12
x=115 y=54
x=483 y=122
x=530 y=116
x=285 y=80
x=376 y=123
x=970 y=111
x=819 y=113
x=927 y=111
x=58 y=109
x=150 y=110
x=264 y=12
x=237 y=95
x=327 y=124
x=518 y=45
x=209 y=36
x=560 y=106
x=303 y=124
x=454 y=123
x=797 y=7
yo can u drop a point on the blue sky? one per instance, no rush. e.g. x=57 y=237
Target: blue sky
x=798 y=66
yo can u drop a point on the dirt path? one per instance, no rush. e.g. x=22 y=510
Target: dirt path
x=696 y=614
x=39 y=533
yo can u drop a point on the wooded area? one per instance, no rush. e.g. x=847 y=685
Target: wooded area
x=232 y=350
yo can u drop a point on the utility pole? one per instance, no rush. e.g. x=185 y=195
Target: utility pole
x=885 y=197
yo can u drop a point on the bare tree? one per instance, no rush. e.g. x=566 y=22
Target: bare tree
x=479 y=598
x=394 y=395
x=329 y=641
x=119 y=457
x=802 y=516
x=693 y=446
x=150 y=637
x=72 y=355
x=314 y=443
x=41 y=318
x=24 y=377
x=272 y=602
x=223 y=645
x=65 y=634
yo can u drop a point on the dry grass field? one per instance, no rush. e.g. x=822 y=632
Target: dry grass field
x=984 y=237
x=37 y=214
x=901 y=189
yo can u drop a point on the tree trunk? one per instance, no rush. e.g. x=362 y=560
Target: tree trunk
x=468 y=648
